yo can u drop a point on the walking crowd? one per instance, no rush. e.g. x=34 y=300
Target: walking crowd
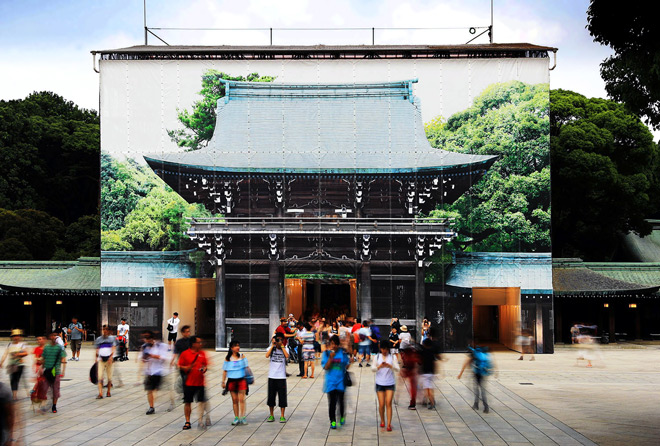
x=395 y=358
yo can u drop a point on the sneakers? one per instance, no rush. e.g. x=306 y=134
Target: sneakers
x=282 y=420
x=72 y=359
x=475 y=406
x=342 y=421
x=486 y=410
x=77 y=358
x=333 y=425
x=53 y=409
x=270 y=419
x=236 y=421
x=368 y=365
x=243 y=421
x=411 y=407
x=151 y=411
x=360 y=365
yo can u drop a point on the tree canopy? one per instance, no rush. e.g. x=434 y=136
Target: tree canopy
x=605 y=175
x=200 y=122
x=140 y=212
x=49 y=178
x=509 y=209
x=632 y=74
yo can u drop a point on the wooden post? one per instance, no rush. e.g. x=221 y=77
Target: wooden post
x=220 y=305
x=364 y=311
x=420 y=299
x=273 y=296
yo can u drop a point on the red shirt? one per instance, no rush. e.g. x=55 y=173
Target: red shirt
x=354 y=330
x=195 y=377
x=284 y=330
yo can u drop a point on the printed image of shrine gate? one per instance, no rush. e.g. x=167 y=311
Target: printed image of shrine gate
x=321 y=189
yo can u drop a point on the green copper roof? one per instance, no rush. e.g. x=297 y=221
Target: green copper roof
x=81 y=275
x=320 y=128
x=573 y=276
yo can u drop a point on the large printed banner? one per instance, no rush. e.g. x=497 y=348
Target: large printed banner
x=468 y=139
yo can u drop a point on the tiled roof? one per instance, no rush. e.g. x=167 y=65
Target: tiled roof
x=271 y=127
x=81 y=275
x=532 y=272
x=572 y=276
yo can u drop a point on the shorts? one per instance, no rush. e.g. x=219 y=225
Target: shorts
x=236 y=384
x=75 y=345
x=427 y=380
x=152 y=382
x=171 y=337
x=309 y=355
x=380 y=388
x=191 y=393
x=276 y=387
x=394 y=351
x=55 y=386
x=364 y=349
x=107 y=366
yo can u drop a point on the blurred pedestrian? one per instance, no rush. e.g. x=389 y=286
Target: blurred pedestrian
x=234 y=380
x=278 y=356
x=482 y=366
x=54 y=362
x=308 y=351
x=154 y=358
x=105 y=356
x=336 y=362
x=430 y=354
x=16 y=352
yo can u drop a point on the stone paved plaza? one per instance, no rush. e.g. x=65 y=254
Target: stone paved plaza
x=553 y=400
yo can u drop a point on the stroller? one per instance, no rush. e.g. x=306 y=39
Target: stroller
x=293 y=351
x=122 y=349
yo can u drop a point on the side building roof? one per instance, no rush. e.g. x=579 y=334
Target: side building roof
x=83 y=275
x=143 y=271
x=577 y=278
x=269 y=127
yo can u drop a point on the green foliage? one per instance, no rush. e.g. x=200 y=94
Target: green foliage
x=508 y=210
x=632 y=74
x=605 y=175
x=49 y=152
x=200 y=122
x=140 y=212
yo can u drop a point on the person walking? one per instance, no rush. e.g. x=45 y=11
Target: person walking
x=364 y=343
x=277 y=378
x=394 y=343
x=16 y=352
x=123 y=330
x=309 y=352
x=194 y=364
x=172 y=329
x=430 y=354
x=105 y=356
x=54 y=364
x=411 y=360
x=75 y=334
x=234 y=380
x=482 y=366
x=154 y=356
x=384 y=366
x=336 y=362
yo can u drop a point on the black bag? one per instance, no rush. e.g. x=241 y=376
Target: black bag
x=348 y=380
x=94 y=373
x=170 y=327
x=105 y=358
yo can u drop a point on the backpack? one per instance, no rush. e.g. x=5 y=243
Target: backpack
x=481 y=362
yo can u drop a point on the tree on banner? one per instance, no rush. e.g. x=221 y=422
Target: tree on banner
x=509 y=209
x=200 y=122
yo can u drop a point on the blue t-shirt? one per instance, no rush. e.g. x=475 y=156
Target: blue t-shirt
x=235 y=369
x=334 y=376
x=375 y=332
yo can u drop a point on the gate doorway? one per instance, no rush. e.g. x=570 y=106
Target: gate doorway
x=329 y=297
x=496 y=316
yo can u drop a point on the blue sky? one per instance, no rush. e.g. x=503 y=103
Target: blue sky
x=46 y=44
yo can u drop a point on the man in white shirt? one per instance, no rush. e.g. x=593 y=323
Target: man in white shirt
x=172 y=329
x=122 y=330
x=277 y=377
x=364 y=346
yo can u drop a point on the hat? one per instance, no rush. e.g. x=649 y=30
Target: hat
x=282 y=319
x=16 y=332
x=290 y=314
x=404 y=328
